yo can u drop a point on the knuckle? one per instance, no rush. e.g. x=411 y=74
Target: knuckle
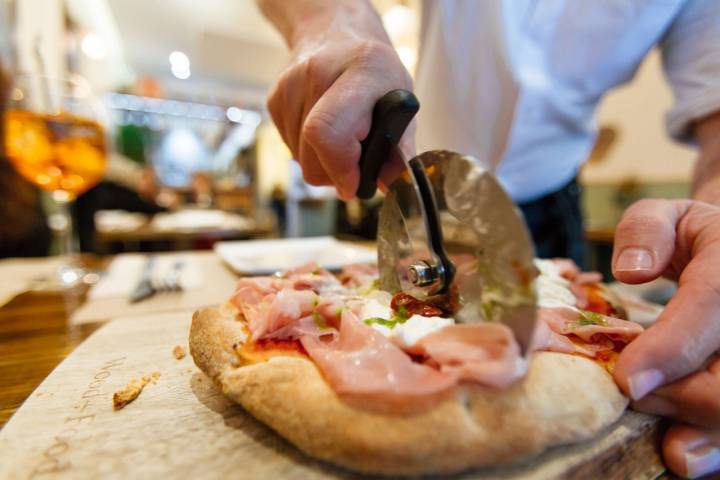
x=319 y=130
x=372 y=51
x=382 y=57
x=316 y=69
x=641 y=222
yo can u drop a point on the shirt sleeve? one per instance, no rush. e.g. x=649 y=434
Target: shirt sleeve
x=691 y=60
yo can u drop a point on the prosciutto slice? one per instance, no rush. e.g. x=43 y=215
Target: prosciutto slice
x=359 y=274
x=272 y=305
x=546 y=339
x=276 y=311
x=306 y=326
x=556 y=327
x=484 y=353
x=310 y=305
x=362 y=361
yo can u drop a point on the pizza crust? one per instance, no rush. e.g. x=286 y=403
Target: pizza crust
x=563 y=399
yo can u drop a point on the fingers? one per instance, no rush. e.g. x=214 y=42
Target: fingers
x=323 y=106
x=684 y=336
x=693 y=399
x=645 y=240
x=691 y=452
x=341 y=118
x=687 y=333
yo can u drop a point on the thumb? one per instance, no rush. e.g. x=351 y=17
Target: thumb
x=645 y=240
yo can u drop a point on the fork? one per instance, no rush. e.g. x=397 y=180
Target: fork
x=170 y=282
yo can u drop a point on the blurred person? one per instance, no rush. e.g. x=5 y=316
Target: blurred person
x=517 y=84
x=24 y=231
x=201 y=186
x=129 y=183
x=278 y=200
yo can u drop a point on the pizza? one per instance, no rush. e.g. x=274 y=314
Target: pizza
x=389 y=384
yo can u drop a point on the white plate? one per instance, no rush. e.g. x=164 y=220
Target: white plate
x=264 y=257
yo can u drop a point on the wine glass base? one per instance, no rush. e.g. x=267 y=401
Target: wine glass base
x=64 y=278
x=69 y=276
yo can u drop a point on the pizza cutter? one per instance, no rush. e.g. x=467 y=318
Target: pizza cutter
x=448 y=233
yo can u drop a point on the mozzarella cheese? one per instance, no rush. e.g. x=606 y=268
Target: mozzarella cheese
x=552 y=291
x=551 y=288
x=416 y=327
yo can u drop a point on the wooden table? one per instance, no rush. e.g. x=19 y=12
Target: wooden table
x=35 y=336
x=183 y=238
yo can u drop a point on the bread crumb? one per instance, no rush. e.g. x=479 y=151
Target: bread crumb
x=131 y=391
x=178 y=352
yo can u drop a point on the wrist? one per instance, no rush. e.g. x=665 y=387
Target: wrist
x=349 y=18
x=706 y=178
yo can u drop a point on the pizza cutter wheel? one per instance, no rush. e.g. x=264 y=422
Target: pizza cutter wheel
x=447 y=229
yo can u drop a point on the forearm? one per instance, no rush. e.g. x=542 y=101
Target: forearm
x=301 y=20
x=706 y=178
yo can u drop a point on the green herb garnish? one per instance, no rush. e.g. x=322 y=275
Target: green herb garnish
x=380 y=321
x=591 y=318
x=401 y=316
x=319 y=321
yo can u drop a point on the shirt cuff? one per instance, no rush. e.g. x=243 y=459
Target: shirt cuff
x=679 y=120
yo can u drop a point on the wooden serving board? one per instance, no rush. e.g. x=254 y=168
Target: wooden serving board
x=183 y=427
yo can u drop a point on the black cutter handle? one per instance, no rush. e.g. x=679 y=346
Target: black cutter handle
x=433 y=225
x=390 y=118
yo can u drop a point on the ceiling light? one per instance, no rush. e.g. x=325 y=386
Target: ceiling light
x=234 y=114
x=93 y=46
x=179 y=60
x=179 y=72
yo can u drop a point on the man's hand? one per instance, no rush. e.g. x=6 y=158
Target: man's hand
x=671 y=369
x=342 y=63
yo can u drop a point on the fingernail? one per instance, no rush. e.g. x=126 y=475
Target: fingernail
x=634 y=259
x=644 y=382
x=702 y=461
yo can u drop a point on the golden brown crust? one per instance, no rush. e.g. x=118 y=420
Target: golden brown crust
x=563 y=399
x=132 y=390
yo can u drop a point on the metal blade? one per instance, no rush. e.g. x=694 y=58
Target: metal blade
x=484 y=235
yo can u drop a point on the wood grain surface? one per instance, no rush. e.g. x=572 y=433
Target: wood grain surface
x=35 y=335
x=182 y=426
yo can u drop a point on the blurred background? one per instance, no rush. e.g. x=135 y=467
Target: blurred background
x=179 y=88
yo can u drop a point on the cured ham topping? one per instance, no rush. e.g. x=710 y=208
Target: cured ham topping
x=364 y=362
x=484 y=353
x=359 y=274
x=404 y=348
x=570 y=330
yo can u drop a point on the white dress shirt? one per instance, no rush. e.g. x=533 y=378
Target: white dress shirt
x=516 y=83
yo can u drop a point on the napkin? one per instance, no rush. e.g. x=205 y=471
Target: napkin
x=124 y=273
x=22 y=274
x=200 y=220
x=118 y=220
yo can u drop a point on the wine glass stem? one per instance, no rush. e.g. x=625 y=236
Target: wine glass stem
x=66 y=239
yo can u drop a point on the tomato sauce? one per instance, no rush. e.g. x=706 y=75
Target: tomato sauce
x=596 y=301
x=409 y=305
